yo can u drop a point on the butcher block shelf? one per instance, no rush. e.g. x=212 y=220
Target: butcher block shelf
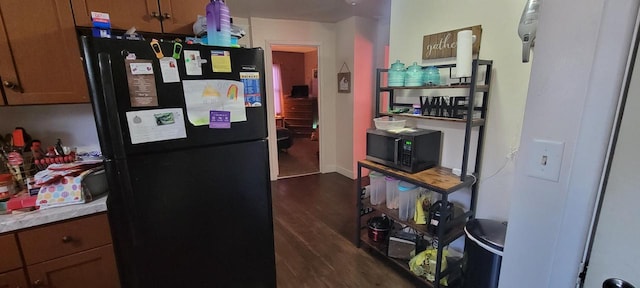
x=438 y=179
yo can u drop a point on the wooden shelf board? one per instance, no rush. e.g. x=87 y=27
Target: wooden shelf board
x=453 y=234
x=474 y=122
x=381 y=248
x=438 y=179
x=403 y=265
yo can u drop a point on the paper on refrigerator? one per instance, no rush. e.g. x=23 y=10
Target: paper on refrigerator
x=192 y=62
x=156 y=125
x=202 y=96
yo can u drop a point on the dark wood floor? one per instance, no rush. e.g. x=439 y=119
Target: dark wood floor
x=300 y=158
x=314 y=225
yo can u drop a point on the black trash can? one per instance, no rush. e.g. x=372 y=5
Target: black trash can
x=483 y=253
x=616 y=283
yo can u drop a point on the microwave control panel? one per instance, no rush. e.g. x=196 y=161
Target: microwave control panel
x=407 y=147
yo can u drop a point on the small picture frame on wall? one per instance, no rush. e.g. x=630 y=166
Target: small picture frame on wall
x=344 y=82
x=315 y=73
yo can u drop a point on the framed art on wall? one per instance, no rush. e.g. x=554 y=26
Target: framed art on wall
x=344 y=82
x=344 y=79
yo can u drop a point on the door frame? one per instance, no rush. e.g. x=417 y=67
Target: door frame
x=613 y=140
x=271 y=112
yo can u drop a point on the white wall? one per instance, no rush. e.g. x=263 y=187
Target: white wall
x=610 y=255
x=364 y=83
x=358 y=39
x=245 y=24
x=265 y=32
x=581 y=53
x=412 y=19
x=73 y=124
x=345 y=49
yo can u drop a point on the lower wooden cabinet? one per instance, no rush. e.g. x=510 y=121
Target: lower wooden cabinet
x=72 y=254
x=64 y=238
x=94 y=268
x=13 y=279
x=9 y=253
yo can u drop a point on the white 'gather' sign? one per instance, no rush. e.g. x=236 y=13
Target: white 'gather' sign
x=443 y=45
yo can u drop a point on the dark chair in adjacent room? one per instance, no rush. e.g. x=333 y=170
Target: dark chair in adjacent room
x=285 y=139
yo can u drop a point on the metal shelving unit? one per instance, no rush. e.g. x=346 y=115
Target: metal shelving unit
x=438 y=179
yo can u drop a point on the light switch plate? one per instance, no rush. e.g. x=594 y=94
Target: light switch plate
x=545 y=159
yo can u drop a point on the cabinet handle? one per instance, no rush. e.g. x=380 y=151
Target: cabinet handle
x=167 y=16
x=66 y=239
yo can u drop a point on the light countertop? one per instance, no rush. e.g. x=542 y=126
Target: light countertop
x=13 y=222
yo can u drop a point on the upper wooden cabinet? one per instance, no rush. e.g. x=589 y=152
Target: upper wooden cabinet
x=181 y=14
x=39 y=54
x=124 y=14
x=159 y=16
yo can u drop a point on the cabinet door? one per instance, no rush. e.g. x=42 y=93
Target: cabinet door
x=13 y=279
x=124 y=14
x=60 y=239
x=9 y=253
x=94 y=268
x=179 y=16
x=39 y=53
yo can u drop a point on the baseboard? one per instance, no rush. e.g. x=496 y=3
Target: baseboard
x=345 y=172
x=328 y=169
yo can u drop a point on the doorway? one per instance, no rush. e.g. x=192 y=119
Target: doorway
x=612 y=251
x=296 y=90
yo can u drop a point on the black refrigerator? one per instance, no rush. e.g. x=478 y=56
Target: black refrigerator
x=190 y=200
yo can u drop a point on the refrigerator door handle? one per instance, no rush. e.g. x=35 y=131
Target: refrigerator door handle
x=102 y=92
x=111 y=106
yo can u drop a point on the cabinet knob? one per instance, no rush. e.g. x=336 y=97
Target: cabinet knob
x=66 y=239
x=155 y=15
x=167 y=16
x=37 y=283
x=9 y=84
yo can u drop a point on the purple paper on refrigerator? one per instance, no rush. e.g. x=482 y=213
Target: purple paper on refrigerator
x=220 y=119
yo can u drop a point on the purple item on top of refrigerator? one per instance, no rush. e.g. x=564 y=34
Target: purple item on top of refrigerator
x=218 y=24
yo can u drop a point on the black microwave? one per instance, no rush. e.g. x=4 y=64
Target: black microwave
x=411 y=150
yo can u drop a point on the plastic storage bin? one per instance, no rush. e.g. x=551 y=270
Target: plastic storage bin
x=392 y=192
x=378 y=188
x=388 y=123
x=407 y=194
x=483 y=253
